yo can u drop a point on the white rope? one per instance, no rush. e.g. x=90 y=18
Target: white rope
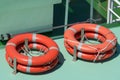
x=25 y=52
x=90 y=41
x=109 y=43
x=98 y=52
x=101 y=56
x=103 y=49
x=98 y=55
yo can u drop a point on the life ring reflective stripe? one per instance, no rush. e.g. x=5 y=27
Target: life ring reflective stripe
x=94 y=31
x=50 y=56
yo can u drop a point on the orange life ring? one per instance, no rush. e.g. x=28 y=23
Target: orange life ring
x=89 y=51
x=33 y=69
x=33 y=64
x=91 y=57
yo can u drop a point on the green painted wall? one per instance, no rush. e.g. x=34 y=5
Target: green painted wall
x=18 y=16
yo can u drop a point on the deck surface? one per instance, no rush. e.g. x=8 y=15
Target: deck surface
x=69 y=70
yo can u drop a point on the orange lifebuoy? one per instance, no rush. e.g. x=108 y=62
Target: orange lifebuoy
x=89 y=51
x=32 y=64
